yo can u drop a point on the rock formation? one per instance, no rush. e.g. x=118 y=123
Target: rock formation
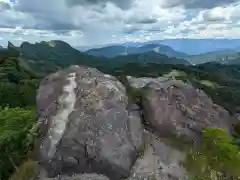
x=88 y=127
x=173 y=107
x=80 y=177
x=159 y=161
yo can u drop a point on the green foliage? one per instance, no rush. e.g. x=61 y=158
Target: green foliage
x=134 y=94
x=222 y=154
x=17 y=89
x=217 y=158
x=16 y=138
x=236 y=134
x=6 y=53
x=142 y=150
x=18 y=95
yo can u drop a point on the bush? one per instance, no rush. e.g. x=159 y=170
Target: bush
x=218 y=155
x=134 y=94
x=222 y=154
x=16 y=138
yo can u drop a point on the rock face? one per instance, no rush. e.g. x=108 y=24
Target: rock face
x=86 y=125
x=176 y=108
x=159 y=161
x=142 y=82
x=81 y=177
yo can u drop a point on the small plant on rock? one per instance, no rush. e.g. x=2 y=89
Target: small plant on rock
x=142 y=150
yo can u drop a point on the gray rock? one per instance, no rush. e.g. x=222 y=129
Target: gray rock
x=80 y=177
x=159 y=162
x=173 y=107
x=88 y=127
x=86 y=124
x=142 y=82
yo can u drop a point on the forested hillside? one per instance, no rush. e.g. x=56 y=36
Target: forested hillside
x=224 y=57
x=17 y=111
x=22 y=70
x=46 y=57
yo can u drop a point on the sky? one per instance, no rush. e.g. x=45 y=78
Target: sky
x=93 y=22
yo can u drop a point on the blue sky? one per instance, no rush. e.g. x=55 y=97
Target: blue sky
x=91 y=22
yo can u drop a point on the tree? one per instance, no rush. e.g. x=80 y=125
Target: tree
x=16 y=138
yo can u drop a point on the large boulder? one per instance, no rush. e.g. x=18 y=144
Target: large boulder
x=159 y=161
x=173 y=107
x=86 y=124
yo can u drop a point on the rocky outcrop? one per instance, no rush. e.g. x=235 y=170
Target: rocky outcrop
x=173 y=107
x=86 y=125
x=159 y=161
x=80 y=177
x=89 y=128
x=142 y=82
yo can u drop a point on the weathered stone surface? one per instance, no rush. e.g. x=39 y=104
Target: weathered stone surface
x=86 y=124
x=142 y=82
x=159 y=162
x=80 y=177
x=176 y=108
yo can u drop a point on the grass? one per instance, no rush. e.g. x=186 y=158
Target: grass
x=27 y=171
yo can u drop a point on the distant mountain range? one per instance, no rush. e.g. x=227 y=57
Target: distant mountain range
x=113 y=51
x=200 y=46
x=148 y=57
x=225 y=57
x=188 y=46
x=222 y=56
x=45 y=57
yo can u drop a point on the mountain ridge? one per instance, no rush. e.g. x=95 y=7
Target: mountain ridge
x=191 y=46
x=224 y=56
x=54 y=55
x=199 y=46
x=113 y=51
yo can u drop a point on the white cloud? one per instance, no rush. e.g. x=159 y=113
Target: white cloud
x=217 y=14
x=5 y=1
x=222 y=13
x=113 y=22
